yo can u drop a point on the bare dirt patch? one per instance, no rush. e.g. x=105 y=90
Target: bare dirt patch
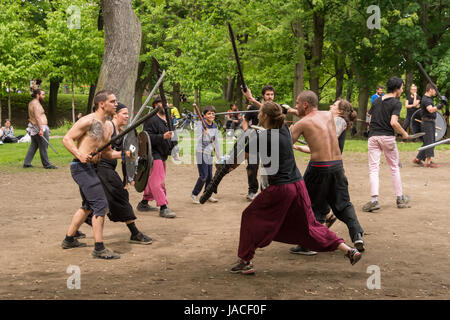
x=191 y=254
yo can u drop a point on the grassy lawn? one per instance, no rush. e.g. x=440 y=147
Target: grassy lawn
x=13 y=155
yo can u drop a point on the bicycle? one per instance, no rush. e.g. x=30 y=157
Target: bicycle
x=187 y=120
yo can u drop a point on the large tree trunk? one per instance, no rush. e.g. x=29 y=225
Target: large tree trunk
x=91 y=98
x=52 y=103
x=299 y=67
x=119 y=69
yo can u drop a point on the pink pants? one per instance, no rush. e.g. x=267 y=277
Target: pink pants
x=388 y=146
x=156 y=189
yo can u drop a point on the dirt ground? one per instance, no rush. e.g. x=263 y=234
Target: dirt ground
x=191 y=255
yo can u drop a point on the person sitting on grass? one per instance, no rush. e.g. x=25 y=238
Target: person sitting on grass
x=7 y=135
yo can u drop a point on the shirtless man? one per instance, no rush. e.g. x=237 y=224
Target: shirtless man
x=91 y=132
x=324 y=178
x=38 y=128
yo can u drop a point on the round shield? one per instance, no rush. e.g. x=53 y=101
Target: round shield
x=145 y=162
x=131 y=147
x=441 y=125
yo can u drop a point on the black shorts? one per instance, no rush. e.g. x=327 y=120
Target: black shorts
x=120 y=209
x=91 y=190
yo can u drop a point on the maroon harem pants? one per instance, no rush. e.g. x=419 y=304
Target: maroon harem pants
x=283 y=213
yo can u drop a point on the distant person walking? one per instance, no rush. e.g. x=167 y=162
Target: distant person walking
x=38 y=128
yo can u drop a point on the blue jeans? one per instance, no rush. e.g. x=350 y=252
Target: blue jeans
x=204 y=166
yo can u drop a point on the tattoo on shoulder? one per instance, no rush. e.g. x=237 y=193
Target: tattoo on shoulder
x=96 y=130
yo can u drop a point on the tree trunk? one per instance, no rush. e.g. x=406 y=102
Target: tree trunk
x=230 y=89
x=339 y=67
x=196 y=96
x=410 y=66
x=362 y=109
x=349 y=94
x=91 y=98
x=123 y=33
x=316 y=61
x=52 y=103
x=224 y=89
x=299 y=67
x=9 y=102
x=73 y=105
x=176 y=94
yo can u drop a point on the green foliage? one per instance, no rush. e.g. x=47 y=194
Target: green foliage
x=16 y=45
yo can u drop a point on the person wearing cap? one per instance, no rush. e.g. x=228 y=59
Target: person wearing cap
x=160 y=137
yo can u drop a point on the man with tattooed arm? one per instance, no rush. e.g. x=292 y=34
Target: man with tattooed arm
x=91 y=132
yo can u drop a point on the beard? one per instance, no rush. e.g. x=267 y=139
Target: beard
x=41 y=100
x=161 y=111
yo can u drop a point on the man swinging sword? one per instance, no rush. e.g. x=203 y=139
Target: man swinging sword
x=91 y=132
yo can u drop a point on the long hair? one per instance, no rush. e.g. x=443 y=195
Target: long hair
x=275 y=114
x=347 y=112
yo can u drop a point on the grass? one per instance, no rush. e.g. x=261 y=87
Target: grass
x=12 y=155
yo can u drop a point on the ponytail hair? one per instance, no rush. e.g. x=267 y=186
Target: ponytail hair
x=346 y=112
x=274 y=113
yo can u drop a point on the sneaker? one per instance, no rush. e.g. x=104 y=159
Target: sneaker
x=358 y=242
x=403 y=203
x=418 y=162
x=371 y=206
x=145 y=207
x=27 y=166
x=195 y=199
x=51 y=167
x=140 y=238
x=211 y=199
x=105 y=254
x=244 y=268
x=167 y=213
x=432 y=165
x=251 y=196
x=79 y=235
x=74 y=244
x=302 y=251
x=353 y=255
x=330 y=221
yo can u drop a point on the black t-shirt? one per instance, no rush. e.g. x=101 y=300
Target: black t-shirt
x=381 y=112
x=424 y=103
x=287 y=168
x=411 y=99
x=252 y=117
